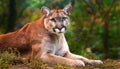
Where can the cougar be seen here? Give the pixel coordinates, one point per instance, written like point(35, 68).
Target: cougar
point(44, 39)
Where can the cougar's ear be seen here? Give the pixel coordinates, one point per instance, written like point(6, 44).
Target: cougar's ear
point(45, 11)
point(68, 9)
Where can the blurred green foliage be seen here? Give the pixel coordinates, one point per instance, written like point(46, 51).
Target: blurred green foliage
point(95, 24)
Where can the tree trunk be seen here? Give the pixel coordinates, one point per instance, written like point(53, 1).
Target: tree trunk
point(105, 39)
point(12, 16)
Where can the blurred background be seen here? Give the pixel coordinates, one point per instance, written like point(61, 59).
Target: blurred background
point(94, 29)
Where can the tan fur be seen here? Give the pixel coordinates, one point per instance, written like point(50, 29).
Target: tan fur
point(44, 39)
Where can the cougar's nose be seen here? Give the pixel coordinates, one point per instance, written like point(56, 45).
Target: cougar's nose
point(60, 27)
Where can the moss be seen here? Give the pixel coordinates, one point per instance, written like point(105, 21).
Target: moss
point(6, 60)
point(10, 61)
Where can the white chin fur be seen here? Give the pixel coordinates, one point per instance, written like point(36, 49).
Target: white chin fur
point(63, 30)
point(58, 31)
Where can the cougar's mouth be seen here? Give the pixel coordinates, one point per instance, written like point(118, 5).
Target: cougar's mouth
point(59, 30)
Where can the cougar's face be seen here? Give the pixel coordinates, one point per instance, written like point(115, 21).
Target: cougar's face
point(56, 21)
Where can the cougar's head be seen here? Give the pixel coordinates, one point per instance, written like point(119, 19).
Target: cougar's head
point(56, 20)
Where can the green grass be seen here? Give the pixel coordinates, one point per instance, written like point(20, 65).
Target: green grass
point(10, 61)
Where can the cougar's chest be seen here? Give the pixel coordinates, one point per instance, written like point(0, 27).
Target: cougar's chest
point(57, 47)
point(60, 47)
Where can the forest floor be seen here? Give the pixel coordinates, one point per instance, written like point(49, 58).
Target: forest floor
point(9, 61)
point(108, 64)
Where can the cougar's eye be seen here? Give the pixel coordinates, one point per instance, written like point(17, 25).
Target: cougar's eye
point(63, 18)
point(53, 20)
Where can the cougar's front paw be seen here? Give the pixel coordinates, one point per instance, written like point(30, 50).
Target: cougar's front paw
point(95, 62)
point(79, 63)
